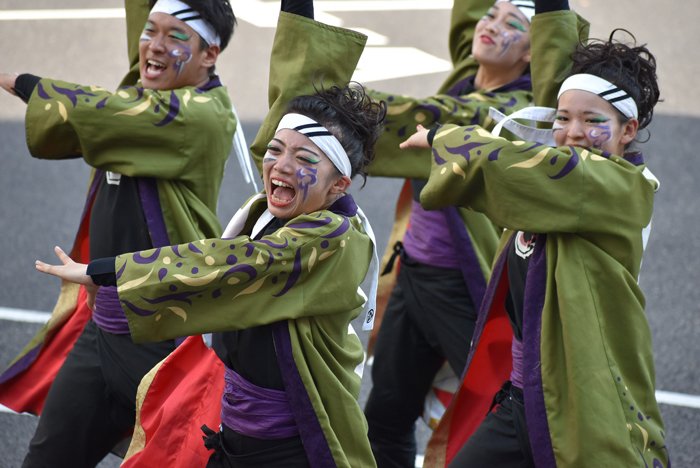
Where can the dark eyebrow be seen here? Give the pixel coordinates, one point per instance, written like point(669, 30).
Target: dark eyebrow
point(301, 148)
point(515, 16)
point(172, 28)
point(494, 6)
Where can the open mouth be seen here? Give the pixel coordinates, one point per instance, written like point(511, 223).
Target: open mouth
point(487, 39)
point(155, 68)
point(282, 193)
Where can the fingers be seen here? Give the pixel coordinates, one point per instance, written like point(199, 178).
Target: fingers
point(91, 299)
point(63, 256)
point(44, 267)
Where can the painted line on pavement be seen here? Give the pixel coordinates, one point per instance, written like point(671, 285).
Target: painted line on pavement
point(20, 315)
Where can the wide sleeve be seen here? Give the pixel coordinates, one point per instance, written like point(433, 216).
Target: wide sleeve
point(404, 113)
point(532, 187)
point(137, 12)
point(313, 266)
point(134, 132)
point(553, 37)
point(301, 48)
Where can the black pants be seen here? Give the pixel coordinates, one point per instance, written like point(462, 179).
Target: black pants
point(501, 440)
point(233, 450)
point(430, 318)
point(92, 401)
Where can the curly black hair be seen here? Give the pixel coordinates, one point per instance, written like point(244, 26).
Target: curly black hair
point(218, 13)
point(630, 67)
point(350, 115)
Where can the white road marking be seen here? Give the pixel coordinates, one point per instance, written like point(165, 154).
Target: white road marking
point(678, 399)
point(5, 409)
point(19, 315)
point(86, 13)
point(385, 63)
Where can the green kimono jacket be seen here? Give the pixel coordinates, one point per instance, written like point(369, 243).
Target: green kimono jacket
point(175, 143)
point(476, 235)
point(588, 369)
point(303, 279)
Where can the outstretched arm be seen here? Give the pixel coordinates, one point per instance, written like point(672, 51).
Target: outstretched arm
point(73, 272)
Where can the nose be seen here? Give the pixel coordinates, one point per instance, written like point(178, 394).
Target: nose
point(157, 43)
point(575, 131)
point(284, 164)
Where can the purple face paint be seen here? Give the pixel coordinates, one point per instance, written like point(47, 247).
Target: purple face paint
point(600, 135)
point(183, 54)
point(307, 178)
point(509, 38)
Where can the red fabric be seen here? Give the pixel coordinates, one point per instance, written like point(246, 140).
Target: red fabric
point(489, 367)
point(26, 392)
point(184, 395)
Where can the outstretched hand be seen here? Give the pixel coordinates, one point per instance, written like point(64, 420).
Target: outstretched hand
point(73, 272)
point(7, 82)
point(417, 140)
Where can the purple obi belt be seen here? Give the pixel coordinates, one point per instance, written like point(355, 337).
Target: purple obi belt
point(108, 313)
point(428, 240)
point(516, 376)
point(254, 411)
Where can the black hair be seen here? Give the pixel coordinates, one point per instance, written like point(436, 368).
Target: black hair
point(350, 115)
point(629, 67)
point(217, 13)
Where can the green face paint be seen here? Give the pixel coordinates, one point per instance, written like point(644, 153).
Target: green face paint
point(310, 160)
point(180, 36)
point(598, 120)
point(517, 26)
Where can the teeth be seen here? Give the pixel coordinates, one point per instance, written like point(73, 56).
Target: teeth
point(156, 64)
point(280, 183)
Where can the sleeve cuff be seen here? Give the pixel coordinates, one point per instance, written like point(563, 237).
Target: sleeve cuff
point(103, 272)
point(25, 84)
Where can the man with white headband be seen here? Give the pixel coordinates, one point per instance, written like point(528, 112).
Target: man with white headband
point(157, 148)
point(431, 300)
point(561, 372)
point(278, 290)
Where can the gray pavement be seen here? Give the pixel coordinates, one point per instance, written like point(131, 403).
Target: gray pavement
point(41, 201)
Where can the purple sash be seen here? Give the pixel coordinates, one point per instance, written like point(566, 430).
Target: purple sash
point(255, 411)
point(108, 313)
point(516, 376)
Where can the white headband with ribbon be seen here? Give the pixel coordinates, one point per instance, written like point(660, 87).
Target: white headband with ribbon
point(190, 16)
point(603, 88)
point(526, 7)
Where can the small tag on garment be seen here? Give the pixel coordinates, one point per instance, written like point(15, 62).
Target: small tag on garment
point(113, 178)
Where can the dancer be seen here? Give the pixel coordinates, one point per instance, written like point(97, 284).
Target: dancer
point(446, 255)
point(280, 289)
point(158, 150)
point(577, 355)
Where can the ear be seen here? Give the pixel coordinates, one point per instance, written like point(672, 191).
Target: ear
point(629, 131)
point(211, 53)
point(340, 185)
point(527, 57)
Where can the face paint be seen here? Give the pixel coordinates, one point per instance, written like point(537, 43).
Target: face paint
point(144, 36)
point(517, 26)
point(600, 135)
point(268, 158)
point(556, 125)
point(307, 178)
point(183, 54)
point(509, 38)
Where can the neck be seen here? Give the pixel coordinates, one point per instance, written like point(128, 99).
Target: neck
point(489, 77)
point(206, 79)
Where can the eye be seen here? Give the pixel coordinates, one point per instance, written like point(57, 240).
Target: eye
point(561, 118)
point(308, 160)
point(273, 149)
point(179, 37)
point(597, 120)
point(516, 25)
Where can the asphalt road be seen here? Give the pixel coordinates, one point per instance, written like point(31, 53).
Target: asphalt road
point(40, 201)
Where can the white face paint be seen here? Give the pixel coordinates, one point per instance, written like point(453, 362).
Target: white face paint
point(269, 158)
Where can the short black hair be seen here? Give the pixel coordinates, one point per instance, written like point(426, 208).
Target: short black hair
point(218, 13)
point(629, 67)
point(350, 115)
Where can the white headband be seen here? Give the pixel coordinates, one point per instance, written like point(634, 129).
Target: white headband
point(321, 137)
point(189, 15)
point(526, 7)
point(603, 88)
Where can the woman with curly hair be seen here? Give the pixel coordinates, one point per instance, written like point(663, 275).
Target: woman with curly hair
point(278, 291)
point(563, 319)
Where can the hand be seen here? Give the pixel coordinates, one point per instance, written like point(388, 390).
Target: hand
point(417, 140)
point(7, 82)
point(73, 272)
